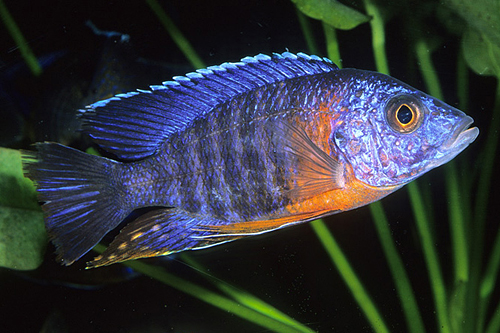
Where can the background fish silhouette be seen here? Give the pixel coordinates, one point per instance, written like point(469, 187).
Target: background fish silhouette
point(239, 149)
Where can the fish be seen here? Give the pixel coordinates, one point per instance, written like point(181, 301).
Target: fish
point(236, 150)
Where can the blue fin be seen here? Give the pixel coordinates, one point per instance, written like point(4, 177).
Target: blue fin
point(134, 125)
point(82, 199)
point(160, 232)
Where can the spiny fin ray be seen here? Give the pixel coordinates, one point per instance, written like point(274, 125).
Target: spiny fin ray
point(149, 117)
point(168, 230)
point(156, 233)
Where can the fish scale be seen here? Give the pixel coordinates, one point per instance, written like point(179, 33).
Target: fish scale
point(245, 169)
point(235, 150)
point(258, 197)
point(239, 181)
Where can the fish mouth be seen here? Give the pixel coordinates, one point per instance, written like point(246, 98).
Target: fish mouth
point(458, 141)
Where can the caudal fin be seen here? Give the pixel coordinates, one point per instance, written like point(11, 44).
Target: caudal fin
point(82, 195)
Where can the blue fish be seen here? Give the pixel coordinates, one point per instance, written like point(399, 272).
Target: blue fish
point(236, 150)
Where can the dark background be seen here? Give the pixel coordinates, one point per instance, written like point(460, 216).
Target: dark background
point(289, 268)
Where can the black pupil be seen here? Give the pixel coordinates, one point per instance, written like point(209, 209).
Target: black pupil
point(404, 114)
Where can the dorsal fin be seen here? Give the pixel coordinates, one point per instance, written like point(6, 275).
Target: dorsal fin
point(134, 125)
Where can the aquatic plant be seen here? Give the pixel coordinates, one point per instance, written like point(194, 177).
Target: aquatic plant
point(463, 299)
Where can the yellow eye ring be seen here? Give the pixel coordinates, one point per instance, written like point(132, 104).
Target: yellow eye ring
point(404, 113)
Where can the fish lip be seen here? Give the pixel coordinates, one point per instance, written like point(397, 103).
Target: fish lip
point(458, 141)
point(462, 136)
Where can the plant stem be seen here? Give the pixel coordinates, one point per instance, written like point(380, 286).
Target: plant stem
point(378, 37)
point(431, 259)
point(494, 325)
point(457, 225)
point(427, 69)
point(182, 43)
point(410, 308)
point(207, 296)
point(245, 298)
point(487, 164)
point(487, 284)
point(307, 31)
point(352, 281)
point(332, 45)
point(21, 43)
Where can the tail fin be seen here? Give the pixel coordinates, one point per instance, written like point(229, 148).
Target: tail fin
point(83, 199)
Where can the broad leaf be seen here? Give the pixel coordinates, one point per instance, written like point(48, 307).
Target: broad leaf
point(332, 12)
point(22, 232)
point(481, 40)
point(481, 54)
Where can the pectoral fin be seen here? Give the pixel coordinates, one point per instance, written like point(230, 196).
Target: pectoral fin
point(313, 171)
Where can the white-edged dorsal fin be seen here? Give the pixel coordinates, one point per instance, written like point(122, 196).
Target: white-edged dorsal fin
point(134, 125)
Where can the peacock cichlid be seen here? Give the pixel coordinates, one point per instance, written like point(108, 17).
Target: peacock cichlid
point(236, 150)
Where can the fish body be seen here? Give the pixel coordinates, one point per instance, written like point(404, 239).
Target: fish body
point(236, 150)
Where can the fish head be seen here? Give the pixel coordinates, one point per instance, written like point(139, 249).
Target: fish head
point(391, 133)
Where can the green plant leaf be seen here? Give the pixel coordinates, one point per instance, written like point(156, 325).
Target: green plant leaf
point(481, 40)
point(332, 12)
point(456, 306)
point(482, 15)
point(22, 232)
point(481, 53)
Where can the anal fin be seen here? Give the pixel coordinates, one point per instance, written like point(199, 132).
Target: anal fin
point(248, 228)
point(158, 233)
point(165, 231)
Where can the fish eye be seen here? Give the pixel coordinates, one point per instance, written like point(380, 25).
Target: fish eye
point(404, 113)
